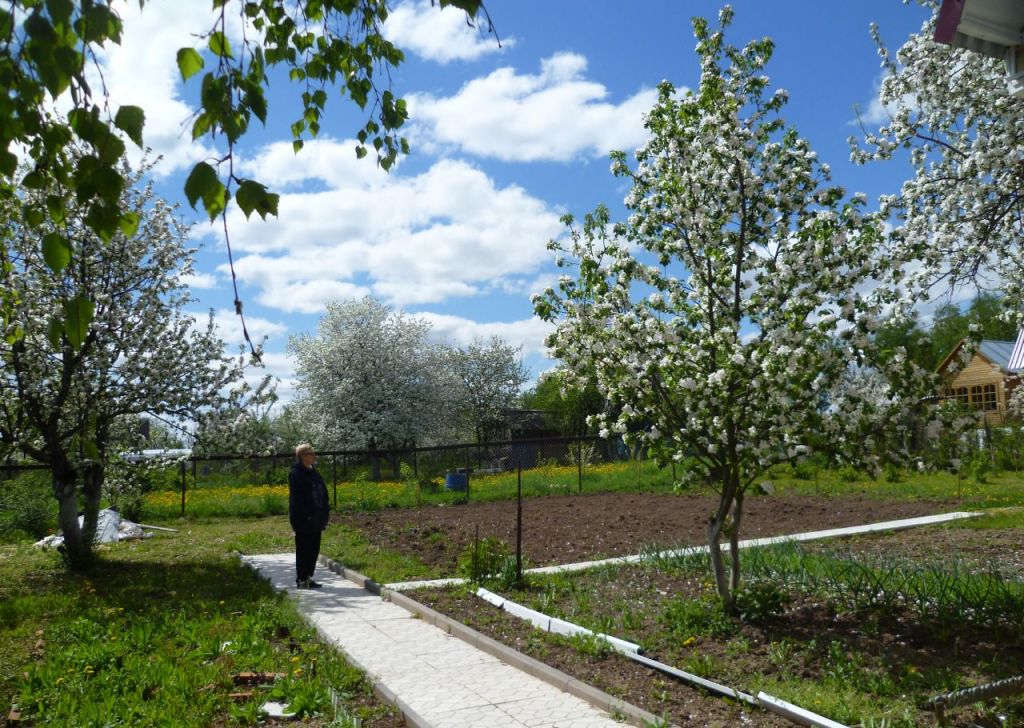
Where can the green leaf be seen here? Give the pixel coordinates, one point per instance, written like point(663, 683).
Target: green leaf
point(54, 330)
point(8, 163)
point(257, 102)
point(129, 223)
point(189, 62)
point(130, 120)
point(204, 184)
point(34, 216)
point(33, 181)
point(297, 145)
point(78, 313)
point(201, 179)
point(56, 252)
point(56, 206)
point(219, 45)
point(254, 196)
point(60, 10)
point(360, 151)
point(103, 220)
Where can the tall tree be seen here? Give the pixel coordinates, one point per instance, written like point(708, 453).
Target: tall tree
point(46, 57)
point(709, 318)
point(63, 388)
point(489, 375)
point(960, 213)
point(567, 404)
point(369, 378)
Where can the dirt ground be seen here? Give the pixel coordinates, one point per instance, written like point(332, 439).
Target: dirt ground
point(567, 529)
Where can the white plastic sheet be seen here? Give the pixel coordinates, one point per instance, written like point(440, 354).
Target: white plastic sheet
point(110, 527)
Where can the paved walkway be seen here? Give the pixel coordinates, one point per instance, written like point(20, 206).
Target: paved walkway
point(439, 680)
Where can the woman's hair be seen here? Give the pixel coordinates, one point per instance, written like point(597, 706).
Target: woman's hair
point(301, 448)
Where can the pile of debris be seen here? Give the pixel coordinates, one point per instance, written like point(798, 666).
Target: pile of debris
point(110, 527)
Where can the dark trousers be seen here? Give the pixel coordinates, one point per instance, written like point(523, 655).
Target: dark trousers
point(307, 548)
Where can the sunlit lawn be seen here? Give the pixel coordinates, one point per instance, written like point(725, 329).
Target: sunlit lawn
point(152, 634)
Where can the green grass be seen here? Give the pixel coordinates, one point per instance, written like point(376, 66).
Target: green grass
point(1000, 489)
point(152, 634)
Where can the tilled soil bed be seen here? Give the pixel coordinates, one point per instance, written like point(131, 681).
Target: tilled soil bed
point(808, 641)
point(567, 529)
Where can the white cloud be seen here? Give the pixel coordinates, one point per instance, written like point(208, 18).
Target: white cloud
point(554, 115)
point(454, 330)
point(143, 71)
point(440, 35)
point(325, 160)
point(229, 326)
point(199, 280)
point(447, 232)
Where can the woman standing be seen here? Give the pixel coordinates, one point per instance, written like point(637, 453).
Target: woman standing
point(308, 512)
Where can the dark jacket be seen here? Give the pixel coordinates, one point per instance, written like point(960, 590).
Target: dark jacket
point(308, 507)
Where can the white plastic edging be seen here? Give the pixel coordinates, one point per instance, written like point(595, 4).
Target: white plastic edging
point(553, 624)
point(490, 597)
point(424, 584)
point(795, 713)
point(768, 541)
point(709, 685)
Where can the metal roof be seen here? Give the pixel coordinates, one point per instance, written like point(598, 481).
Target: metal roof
point(997, 352)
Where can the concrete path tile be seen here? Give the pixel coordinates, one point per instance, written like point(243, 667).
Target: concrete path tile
point(445, 681)
point(476, 717)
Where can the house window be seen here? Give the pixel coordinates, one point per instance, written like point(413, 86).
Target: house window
point(989, 398)
point(977, 397)
point(960, 395)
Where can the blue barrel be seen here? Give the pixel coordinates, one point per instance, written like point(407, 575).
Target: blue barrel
point(456, 481)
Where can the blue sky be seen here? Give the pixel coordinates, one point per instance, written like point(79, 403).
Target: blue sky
point(505, 140)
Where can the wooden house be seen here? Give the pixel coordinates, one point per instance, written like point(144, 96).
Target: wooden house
point(986, 381)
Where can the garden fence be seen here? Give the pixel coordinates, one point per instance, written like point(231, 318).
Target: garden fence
point(427, 466)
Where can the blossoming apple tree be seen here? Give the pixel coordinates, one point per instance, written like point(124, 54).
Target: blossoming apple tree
point(960, 214)
point(722, 319)
point(66, 381)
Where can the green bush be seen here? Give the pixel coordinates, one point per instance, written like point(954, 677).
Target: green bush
point(27, 507)
point(892, 473)
point(761, 601)
point(979, 467)
point(848, 474)
point(804, 470)
point(485, 558)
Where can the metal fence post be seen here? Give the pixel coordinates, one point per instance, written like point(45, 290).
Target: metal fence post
point(182, 468)
point(334, 475)
point(519, 525)
point(579, 465)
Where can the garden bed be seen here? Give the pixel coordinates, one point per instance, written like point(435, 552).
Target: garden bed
point(855, 659)
point(566, 529)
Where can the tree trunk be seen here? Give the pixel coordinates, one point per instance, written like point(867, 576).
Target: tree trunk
point(734, 541)
point(725, 521)
point(77, 549)
point(716, 527)
point(718, 564)
point(92, 490)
